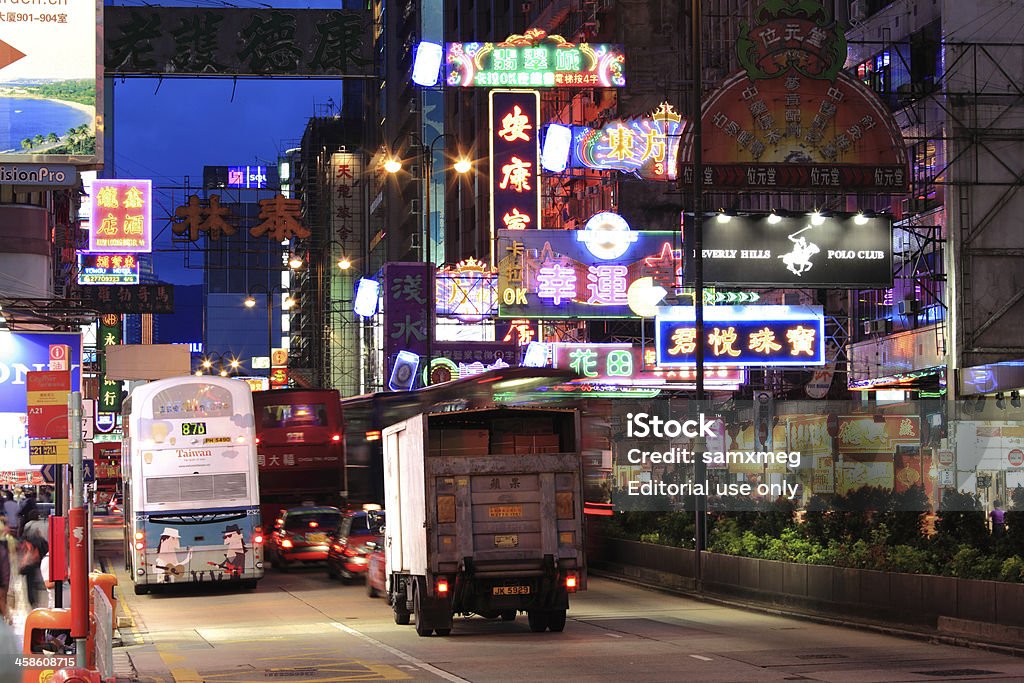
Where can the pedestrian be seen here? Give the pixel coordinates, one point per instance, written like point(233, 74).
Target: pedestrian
point(10, 511)
point(27, 507)
point(31, 550)
point(8, 553)
point(998, 517)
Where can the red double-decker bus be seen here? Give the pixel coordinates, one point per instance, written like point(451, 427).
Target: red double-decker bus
point(300, 449)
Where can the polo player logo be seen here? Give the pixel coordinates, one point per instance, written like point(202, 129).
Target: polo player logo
point(798, 261)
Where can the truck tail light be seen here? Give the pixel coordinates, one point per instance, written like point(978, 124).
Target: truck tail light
point(286, 543)
point(336, 438)
point(570, 583)
point(442, 586)
point(257, 536)
point(140, 540)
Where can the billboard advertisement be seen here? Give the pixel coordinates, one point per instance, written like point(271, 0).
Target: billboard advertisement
point(768, 250)
point(534, 60)
point(743, 336)
point(107, 269)
point(24, 352)
point(408, 318)
point(581, 273)
point(645, 146)
point(50, 97)
point(121, 218)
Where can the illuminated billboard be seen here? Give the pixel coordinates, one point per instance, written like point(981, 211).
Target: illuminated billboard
point(249, 177)
point(515, 160)
point(121, 219)
point(534, 60)
point(107, 269)
point(467, 292)
point(646, 146)
point(743, 336)
point(50, 83)
point(581, 273)
point(622, 363)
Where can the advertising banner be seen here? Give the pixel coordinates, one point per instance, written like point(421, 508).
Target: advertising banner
point(130, 298)
point(408, 318)
point(110, 333)
point(766, 250)
point(209, 41)
point(534, 60)
point(24, 352)
point(646, 146)
point(107, 269)
point(743, 336)
point(47, 394)
point(51, 100)
point(581, 273)
point(515, 160)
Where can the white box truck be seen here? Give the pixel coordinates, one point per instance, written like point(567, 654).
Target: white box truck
point(485, 516)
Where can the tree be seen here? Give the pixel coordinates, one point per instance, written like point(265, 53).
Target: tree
point(52, 137)
point(26, 143)
point(37, 140)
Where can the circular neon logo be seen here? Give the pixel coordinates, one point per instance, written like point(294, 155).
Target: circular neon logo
point(607, 235)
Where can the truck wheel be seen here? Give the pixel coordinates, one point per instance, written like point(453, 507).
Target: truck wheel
point(508, 615)
point(421, 630)
point(538, 620)
point(442, 631)
point(401, 613)
point(556, 620)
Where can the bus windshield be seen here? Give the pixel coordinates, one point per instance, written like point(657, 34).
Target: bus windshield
point(294, 415)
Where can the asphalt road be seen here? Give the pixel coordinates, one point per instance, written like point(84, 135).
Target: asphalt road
point(301, 626)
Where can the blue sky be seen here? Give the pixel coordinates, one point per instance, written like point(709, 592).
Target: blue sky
point(168, 130)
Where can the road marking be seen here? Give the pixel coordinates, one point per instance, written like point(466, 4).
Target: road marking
point(703, 659)
point(401, 655)
point(186, 676)
point(614, 635)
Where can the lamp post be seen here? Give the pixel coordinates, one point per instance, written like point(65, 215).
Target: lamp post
point(222, 361)
point(250, 302)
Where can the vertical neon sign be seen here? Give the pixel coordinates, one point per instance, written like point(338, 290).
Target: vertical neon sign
point(515, 160)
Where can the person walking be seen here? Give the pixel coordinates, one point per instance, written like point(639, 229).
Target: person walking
point(10, 511)
point(32, 548)
point(8, 555)
point(28, 506)
point(998, 517)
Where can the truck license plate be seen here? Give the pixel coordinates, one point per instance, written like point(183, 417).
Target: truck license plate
point(510, 590)
point(506, 541)
point(505, 511)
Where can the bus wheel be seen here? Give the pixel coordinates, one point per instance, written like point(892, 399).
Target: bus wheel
point(249, 584)
point(141, 589)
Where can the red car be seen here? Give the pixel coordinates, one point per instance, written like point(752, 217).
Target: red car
point(358, 534)
point(300, 535)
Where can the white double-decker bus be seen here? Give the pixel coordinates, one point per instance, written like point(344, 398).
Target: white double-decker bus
point(191, 484)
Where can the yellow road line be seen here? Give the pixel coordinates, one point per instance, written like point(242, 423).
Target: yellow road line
point(186, 676)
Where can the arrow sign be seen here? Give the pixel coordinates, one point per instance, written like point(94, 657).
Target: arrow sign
point(9, 55)
point(49, 473)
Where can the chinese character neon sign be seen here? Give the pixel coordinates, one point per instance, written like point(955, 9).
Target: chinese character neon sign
point(534, 60)
point(647, 146)
point(468, 292)
point(515, 160)
point(625, 364)
point(743, 336)
point(121, 216)
point(108, 269)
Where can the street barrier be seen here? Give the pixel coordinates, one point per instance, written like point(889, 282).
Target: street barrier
point(106, 583)
point(103, 620)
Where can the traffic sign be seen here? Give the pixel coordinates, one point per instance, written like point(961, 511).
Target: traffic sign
point(105, 422)
point(47, 393)
point(49, 473)
point(48, 451)
point(89, 471)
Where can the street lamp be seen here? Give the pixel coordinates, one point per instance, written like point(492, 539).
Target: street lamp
point(222, 361)
point(286, 303)
point(462, 165)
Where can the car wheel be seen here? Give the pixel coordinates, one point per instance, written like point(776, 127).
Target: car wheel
point(508, 615)
point(538, 620)
point(556, 620)
point(442, 631)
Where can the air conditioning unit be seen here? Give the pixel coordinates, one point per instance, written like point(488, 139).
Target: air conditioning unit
point(859, 10)
point(908, 307)
point(882, 326)
point(414, 207)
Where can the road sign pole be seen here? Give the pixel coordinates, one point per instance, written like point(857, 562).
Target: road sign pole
point(79, 534)
point(58, 509)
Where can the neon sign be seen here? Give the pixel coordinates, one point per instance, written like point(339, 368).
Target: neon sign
point(515, 160)
point(121, 216)
point(629, 365)
point(468, 292)
point(107, 269)
point(743, 336)
point(647, 147)
point(251, 177)
point(580, 274)
point(534, 60)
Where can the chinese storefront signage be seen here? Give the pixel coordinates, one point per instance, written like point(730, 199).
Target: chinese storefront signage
point(534, 60)
point(108, 269)
point(743, 336)
point(792, 119)
point(455, 360)
point(647, 147)
point(195, 217)
point(580, 273)
point(130, 298)
point(774, 251)
point(629, 365)
point(215, 40)
point(467, 292)
point(515, 160)
point(878, 433)
point(121, 216)
point(110, 333)
point(47, 394)
point(407, 310)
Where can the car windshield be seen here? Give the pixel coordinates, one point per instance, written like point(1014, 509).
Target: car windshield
point(367, 525)
point(304, 521)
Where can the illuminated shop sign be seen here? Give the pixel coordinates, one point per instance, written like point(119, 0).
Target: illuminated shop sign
point(796, 251)
point(250, 177)
point(626, 364)
point(534, 60)
point(647, 147)
point(515, 160)
point(108, 269)
point(743, 335)
point(468, 292)
point(121, 216)
point(581, 273)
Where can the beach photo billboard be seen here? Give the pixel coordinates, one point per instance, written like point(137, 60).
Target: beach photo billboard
point(51, 97)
